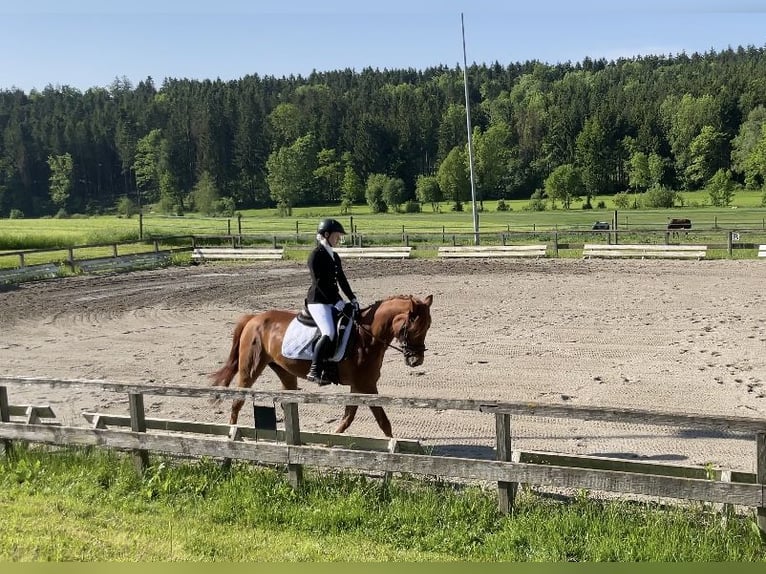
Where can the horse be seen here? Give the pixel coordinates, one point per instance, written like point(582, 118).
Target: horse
point(675, 226)
point(257, 343)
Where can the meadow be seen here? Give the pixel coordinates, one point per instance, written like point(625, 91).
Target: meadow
point(427, 227)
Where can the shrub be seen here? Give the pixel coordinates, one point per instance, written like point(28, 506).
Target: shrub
point(125, 207)
point(721, 188)
point(536, 202)
point(659, 196)
point(16, 214)
point(225, 206)
point(412, 207)
point(502, 206)
point(621, 200)
point(61, 214)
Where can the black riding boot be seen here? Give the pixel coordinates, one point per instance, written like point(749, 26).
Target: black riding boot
point(322, 352)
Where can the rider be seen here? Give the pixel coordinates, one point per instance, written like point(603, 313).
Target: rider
point(326, 275)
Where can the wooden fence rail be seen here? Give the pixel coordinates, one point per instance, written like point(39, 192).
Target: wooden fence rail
point(507, 471)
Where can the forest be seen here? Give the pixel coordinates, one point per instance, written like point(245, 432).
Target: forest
point(392, 139)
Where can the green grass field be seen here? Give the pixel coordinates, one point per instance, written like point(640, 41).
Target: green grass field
point(427, 227)
point(89, 505)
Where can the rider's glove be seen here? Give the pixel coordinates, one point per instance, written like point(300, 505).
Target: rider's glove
point(340, 305)
point(355, 303)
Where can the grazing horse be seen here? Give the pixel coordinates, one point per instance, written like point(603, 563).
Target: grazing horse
point(677, 225)
point(257, 343)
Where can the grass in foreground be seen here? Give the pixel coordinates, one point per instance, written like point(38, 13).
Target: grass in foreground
point(91, 506)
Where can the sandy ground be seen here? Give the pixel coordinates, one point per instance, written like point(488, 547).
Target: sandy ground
point(669, 335)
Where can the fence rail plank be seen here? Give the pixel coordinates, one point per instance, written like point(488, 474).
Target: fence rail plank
point(374, 252)
point(645, 250)
point(520, 408)
point(496, 471)
point(493, 251)
point(204, 253)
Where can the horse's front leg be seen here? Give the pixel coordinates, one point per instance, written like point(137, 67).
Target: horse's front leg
point(382, 420)
point(348, 418)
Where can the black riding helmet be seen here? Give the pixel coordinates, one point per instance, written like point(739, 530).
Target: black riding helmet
point(330, 226)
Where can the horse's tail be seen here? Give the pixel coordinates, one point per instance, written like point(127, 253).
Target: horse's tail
point(223, 376)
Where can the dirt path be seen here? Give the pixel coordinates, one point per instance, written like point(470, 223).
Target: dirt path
point(674, 335)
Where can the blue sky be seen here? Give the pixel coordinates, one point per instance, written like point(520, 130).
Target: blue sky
point(88, 43)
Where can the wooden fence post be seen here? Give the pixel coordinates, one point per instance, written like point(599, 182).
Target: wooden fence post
point(235, 434)
point(138, 424)
point(506, 491)
point(5, 417)
point(760, 478)
point(555, 243)
point(293, 436)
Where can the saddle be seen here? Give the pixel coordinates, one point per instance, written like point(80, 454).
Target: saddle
point(302, 334)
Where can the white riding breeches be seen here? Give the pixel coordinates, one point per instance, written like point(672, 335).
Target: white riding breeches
point(323, 317)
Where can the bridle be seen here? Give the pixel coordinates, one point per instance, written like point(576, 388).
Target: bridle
point(407, 349)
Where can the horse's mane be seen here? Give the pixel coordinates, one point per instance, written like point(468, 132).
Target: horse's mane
point(379, 302)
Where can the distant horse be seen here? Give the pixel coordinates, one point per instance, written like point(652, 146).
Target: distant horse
point(257, 343)
point(677, 225)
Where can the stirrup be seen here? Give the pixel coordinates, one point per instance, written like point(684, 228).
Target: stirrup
point(323, 380)
point(329, 374)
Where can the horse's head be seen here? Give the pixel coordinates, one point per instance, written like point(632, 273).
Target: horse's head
point(410, 328)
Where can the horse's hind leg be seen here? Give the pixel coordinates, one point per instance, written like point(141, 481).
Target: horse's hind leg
point(251, 366)
point(289, 381)
point(348, 418)
point(380, 417)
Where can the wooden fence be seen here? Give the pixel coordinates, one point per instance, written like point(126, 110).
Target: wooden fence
point(15, 265)
point(508, 470)
point(92, 258)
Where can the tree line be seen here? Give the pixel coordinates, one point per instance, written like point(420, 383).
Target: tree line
point(394, 139)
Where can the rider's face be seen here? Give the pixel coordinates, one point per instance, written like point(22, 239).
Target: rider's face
point(334, 238)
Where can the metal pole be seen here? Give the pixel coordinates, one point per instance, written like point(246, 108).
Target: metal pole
point(470, 139)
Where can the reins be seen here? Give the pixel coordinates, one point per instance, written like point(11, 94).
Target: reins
point(408, 350)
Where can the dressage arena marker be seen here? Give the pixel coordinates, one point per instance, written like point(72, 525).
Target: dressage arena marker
point(645, 250)
point(762, 251)
point(493, 251)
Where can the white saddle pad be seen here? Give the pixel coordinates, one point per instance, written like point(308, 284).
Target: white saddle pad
point(299, 339)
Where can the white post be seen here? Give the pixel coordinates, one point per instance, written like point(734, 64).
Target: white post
point(470, 140)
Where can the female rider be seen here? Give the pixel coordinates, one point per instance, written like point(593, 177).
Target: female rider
point(324, 295)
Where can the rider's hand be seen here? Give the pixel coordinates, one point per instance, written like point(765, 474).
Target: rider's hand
point(340, 305)
point(355, 303)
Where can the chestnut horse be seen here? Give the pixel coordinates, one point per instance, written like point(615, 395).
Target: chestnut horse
point(257, 343)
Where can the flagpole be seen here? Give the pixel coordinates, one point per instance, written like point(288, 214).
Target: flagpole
point(470, 140)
